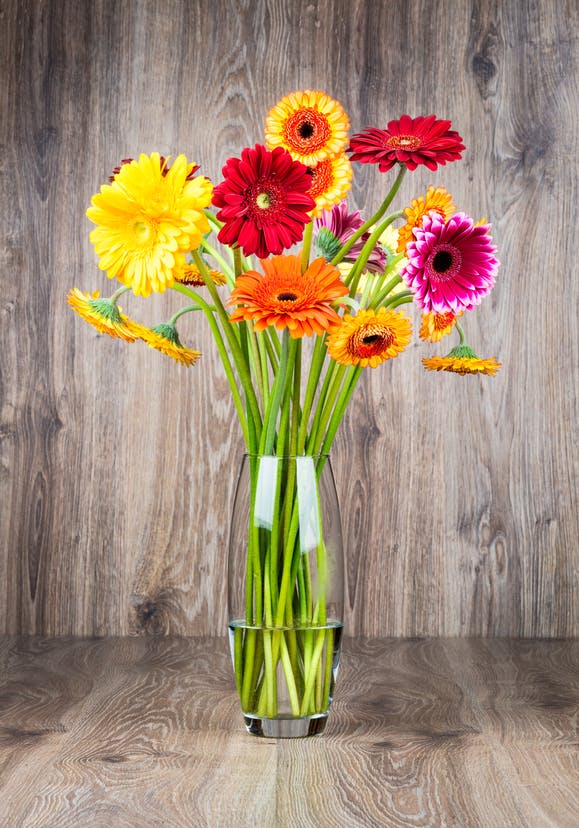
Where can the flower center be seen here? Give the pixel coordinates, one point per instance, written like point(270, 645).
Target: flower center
point(404, 142)
point(286, 297)
point(142, 231)
point(443, 263)
point(370, 340)
point(306, 131)
point(263, 201)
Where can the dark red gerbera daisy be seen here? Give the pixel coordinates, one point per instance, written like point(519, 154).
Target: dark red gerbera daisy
point(263, 201)
point(409, 141)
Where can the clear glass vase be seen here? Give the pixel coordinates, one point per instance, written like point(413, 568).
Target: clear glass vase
point(285, 593)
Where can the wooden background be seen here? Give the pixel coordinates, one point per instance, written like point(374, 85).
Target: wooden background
point(117, 466)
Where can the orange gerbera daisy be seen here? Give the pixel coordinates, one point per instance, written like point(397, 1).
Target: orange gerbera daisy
point(462, 360)
point(436, 325)
point(102, 314)
point(310, 125)
point(188, 273)
point(165, 338)
point(287, 298)
point(331, 180)
point(437, 199)
point(370, 337)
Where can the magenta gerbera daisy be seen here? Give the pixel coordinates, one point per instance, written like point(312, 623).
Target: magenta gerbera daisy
point(264, 201)
point(333, 229)
point(451, 265)
point(409, 141)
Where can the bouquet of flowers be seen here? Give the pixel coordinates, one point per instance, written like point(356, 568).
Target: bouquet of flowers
point(294, 329)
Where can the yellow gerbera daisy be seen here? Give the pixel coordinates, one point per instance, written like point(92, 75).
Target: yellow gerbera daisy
point(331, 180)
point(462, 360)
point(309, 124)
point(369, 337)
point(165, 338)
point(147, 219)
point(187, 273)
point(437, 199)
point(102, 314)
point(436, 325)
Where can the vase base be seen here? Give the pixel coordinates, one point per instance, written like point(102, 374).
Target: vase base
point(286, 728)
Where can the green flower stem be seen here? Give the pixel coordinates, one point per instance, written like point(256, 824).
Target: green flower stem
point(118, 293)
point(221, 261)
point(347, 390)
point(289, 672)
point(321, 401)
point(460, 332)
point(268, 431)
point(402, 298)
point(213, 219)
point(256, 366)
point(316, 365)
point(272, 355)
point(373, 219)
point(311, 673)
point(209, 313)
point(324, 415)
point(187, 309)
point(232, 341)
point(307, 244)
point(385, 290)
point(358, 269)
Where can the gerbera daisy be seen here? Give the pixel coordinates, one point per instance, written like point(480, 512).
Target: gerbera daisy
point(331, 180)
point(370, 337)
point(165, 338)
point(436, 325)
point(409, 141)
point(437, 199)
point(187, 273)
point(147, 219)
point(451, 265)
point(310, 125)
point(102, 314)
point(462, 360)
point(287, 298)
point(264, 201)
point(332, 230)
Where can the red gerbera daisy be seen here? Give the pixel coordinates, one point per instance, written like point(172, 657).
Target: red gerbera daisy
point(264, 201)
point(409, 141)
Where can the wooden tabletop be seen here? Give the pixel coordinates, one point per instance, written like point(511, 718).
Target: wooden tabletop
point(147, 731)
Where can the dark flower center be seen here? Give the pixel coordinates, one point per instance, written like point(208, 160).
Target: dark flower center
point(286, 297)
point(368, 340)
point(371, 340)
point(306, 130)
point(442, 261)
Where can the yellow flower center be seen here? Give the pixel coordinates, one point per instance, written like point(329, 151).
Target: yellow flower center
point(263, 201)
point(142, 231)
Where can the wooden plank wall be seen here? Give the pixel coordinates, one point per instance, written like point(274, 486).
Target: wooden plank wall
point(117, 466)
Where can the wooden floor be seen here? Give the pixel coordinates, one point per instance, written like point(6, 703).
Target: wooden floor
point(147, 732)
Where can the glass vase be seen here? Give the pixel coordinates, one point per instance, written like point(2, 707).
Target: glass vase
point(285, 593)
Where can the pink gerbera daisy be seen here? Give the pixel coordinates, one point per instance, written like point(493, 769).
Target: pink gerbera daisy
point(451, 265)
point(333, 229)
point(264, 201)
point(409, 141)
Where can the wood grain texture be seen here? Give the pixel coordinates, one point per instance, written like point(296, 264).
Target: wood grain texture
point(117, 466)
point(137, 731)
